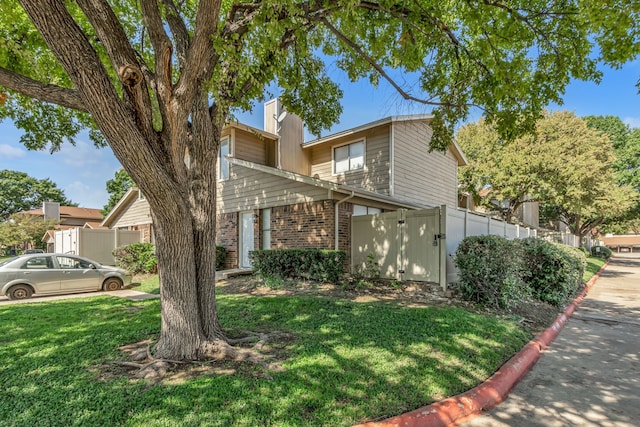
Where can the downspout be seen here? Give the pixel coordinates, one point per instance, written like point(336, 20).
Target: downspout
point(335, 221)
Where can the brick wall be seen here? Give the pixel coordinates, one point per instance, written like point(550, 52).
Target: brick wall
point(299, 226)
point(227, 236)
point(303, 225)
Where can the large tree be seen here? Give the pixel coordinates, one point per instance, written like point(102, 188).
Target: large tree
point(21, 192)
point(563, 164)
point(159, 79)
point(626, 142)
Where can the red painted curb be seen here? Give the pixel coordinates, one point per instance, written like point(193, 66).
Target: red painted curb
point(467, 405)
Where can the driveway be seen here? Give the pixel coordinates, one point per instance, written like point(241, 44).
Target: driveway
point(590, 375)
point(122, 293)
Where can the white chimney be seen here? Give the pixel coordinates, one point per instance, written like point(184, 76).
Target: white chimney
point(51, 210)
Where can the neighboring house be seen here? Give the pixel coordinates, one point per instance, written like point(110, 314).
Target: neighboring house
point(132, 212)
point(275, 191)
point(67, 217)
point(622, 243)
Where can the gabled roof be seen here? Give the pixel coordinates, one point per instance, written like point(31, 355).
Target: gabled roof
point(129, 196)
point(454, 147)
point(250, 129)
point(72, 212)
point(94, 225)
point(339, 188)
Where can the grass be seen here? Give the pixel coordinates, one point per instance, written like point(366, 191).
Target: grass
point(148, 283)
point(593, 266)
point(350, 362)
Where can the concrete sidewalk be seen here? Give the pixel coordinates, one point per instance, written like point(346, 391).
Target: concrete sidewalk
point(590, 375)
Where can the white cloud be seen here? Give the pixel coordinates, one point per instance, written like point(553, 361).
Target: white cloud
point(10, 152)
point(83, 154)
point(634, 122)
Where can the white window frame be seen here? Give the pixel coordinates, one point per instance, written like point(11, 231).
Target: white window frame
point(266, 228)
point(368, 210)
point(226, 140)
point(347, 144)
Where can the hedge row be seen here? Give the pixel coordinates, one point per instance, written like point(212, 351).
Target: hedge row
point(312, 264)
point(498, 272)
point(141, 257)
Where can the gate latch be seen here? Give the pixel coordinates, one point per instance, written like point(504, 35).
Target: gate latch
point(438, 236)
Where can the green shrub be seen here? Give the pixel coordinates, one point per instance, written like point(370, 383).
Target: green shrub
point(601, 252)
point(136, 258)
point(313, 264)
point(221, 257)
point(552, 271)
point(490, 271)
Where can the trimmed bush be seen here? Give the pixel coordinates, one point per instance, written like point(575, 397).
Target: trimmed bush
point(313, 264)
point(490, 271)
point(552, 271)
point(141, 258)
point(136, 258)
point(221, 257)
point(601, 252)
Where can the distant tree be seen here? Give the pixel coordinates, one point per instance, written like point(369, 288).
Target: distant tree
point(626, 142)
point(563, 164)
point(21, 192)
point(117, 187)
point(24, 229)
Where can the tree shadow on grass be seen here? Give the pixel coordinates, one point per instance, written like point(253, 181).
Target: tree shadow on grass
point(338, 370)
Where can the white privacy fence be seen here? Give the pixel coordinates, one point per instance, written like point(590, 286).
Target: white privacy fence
point(461, 223)
point(97, 245)
point(566, 239)
point(408, 245)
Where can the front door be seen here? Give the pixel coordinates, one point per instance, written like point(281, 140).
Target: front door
point(246, 238)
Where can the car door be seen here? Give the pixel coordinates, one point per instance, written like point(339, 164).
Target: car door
point(40, 272)
point(77, 274)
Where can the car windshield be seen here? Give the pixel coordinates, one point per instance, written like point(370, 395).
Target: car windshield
point(7, 261)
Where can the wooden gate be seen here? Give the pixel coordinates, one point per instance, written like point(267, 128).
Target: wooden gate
point(407, 245)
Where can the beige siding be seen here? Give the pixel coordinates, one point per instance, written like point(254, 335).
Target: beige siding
point(374, 176)
point(418, 175)
point(291, 131)
point(250, 147)
point(251, 189)
point(137, 214)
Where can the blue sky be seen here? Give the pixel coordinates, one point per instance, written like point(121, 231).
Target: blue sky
point(82, 171)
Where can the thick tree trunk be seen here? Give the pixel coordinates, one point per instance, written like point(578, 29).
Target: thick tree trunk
point(181, 335)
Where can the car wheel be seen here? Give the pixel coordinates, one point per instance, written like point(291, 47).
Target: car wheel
point(112, 284)
point(19, 292)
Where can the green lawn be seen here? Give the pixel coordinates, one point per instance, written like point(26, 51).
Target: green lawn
point(349, 362)
point(593, 266)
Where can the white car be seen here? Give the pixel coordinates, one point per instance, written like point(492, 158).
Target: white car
point(25, 275)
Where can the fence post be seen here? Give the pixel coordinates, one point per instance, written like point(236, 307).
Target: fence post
point(443, 248)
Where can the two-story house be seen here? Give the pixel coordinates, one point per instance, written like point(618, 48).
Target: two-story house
point(276, 191)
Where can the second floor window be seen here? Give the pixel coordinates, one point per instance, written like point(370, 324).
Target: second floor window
point(223, 159)
point(349, 157)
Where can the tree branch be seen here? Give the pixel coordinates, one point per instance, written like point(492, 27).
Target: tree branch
point(200, 57)
point(163, 48)
point(51, 94)
point(122, 54)
point(378, 68)
point(179, 30)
